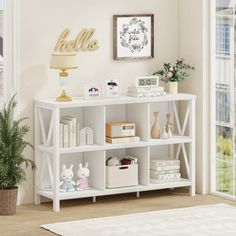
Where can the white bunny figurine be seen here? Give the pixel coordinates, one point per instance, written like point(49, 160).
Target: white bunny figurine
point(67, 184)
point(83, 174)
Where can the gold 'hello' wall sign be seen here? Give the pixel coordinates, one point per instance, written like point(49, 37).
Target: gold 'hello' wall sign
point(83, 42)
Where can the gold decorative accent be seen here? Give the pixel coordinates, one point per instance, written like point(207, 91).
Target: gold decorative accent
point(83, 42)
point(63, 97)
point(63, 73)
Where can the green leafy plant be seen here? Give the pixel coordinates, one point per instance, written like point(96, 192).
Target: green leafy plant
point(12, 146)
point(174, 73)
point(225, 145)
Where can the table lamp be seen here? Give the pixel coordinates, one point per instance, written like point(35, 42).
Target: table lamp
point(63, 62)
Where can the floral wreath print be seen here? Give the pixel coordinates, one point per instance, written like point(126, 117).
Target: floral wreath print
point(134, 35)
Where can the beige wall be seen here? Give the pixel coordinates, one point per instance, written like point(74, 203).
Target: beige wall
point(42, 22)
point(194, 47)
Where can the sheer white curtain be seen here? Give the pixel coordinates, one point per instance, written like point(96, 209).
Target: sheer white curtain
point(1, 53)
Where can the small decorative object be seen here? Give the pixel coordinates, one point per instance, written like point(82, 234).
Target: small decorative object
point(169, 132)
point(146, 87)
point(174, 74)
point(120, 129)
point(92, 92)
point(172, 128)
point(167, 121)
point(133, 139)
point(147, 81)
point(83, 173)
point(67, 184)
point(164, 134)
point(113, 161)
point(155, 132)
point(133, 36)
point(83, 42)
point(112, 88)
point(12, 157)
point(63, 62)
point(86, 136)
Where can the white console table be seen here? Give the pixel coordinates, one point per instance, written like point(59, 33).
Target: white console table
point(49, 156)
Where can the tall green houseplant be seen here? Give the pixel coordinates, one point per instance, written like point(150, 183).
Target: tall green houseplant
point(12, 160)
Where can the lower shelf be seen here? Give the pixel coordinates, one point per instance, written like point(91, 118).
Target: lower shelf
point(93, 192)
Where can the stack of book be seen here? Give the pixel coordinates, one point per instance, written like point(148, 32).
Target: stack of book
point(164, 170)
point(145, 92)
point(69, 132)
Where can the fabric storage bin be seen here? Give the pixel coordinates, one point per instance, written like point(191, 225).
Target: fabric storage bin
point(121, 176)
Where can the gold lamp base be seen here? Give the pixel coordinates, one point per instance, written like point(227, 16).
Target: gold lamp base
point(63, 97)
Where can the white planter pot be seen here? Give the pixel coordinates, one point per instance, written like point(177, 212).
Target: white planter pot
point(173, 87)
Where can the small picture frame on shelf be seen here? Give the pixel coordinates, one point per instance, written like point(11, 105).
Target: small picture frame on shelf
point(93, 92)
point(112, 88)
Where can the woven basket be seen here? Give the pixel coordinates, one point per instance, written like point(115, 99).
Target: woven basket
point(8, 199)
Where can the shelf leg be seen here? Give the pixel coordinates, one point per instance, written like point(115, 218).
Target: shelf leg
point(94, 199)
point(37, 200)
point(56, 161)
point(138, 194)
point(56, 205)
point(192, 148)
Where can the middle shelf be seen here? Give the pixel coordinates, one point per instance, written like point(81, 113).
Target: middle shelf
point(107, 146)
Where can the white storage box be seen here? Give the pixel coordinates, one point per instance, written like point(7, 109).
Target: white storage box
point(121, 176)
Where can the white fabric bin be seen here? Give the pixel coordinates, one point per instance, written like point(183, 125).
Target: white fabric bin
point(121, 176)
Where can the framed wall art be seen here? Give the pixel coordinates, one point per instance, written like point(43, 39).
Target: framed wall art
point(133, 36)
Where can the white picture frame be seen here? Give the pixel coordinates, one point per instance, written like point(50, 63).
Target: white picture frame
point(112, 88)
point(93, 92)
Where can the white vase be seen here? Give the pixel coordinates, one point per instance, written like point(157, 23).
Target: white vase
point(173, 87)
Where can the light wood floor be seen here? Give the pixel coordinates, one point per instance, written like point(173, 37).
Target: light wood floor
point(28, 218)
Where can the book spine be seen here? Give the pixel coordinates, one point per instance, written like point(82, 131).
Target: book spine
point(163, 172)
point(61, 135)
point(166, 176)
point(66, 135)
point(122, 140)
point(164, 168)
point(70, 133)
point(78, 134)
point(151, 89)
point(164, 162)
point(73, 132)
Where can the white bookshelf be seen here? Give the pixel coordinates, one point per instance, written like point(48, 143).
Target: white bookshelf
point(49, 156)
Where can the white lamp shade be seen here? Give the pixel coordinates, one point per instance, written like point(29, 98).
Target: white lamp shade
point(63, 61)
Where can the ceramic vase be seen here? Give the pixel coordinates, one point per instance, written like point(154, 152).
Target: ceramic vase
point(167, 121)
point(173, 87)
point(155, 132)
point(169, 133)
point(164, 134)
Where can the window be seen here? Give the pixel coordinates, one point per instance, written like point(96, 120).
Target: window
point(224, 78)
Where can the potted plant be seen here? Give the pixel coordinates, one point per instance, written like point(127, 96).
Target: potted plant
point(12, 159)
point(174, 74)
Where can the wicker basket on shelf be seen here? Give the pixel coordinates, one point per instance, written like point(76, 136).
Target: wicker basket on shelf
point(8, 199)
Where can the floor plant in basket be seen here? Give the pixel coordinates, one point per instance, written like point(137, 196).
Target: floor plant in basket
point(12, 159)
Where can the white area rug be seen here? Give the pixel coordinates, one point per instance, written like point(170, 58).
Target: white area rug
point(207, 220)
